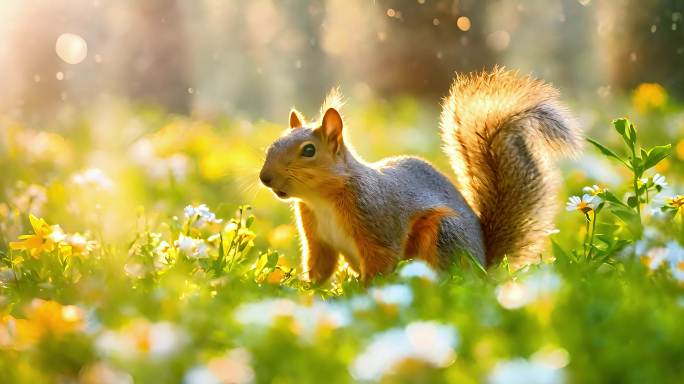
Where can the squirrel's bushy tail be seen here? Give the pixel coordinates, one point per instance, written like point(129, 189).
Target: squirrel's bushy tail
point(501, 132)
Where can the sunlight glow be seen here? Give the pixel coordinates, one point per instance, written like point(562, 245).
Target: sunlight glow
point(71, 48)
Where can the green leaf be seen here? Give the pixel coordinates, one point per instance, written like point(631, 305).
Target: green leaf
point(562, 257)
point(632, 201)
point(272, 260)
point(242, 246)
point(610, 197)
point(632, 134)
point(605, 238)
point(608, 152)
point(621, 125)
point(626, 129)
point(220, 261)
point(629, 217)
point(643, 188)
point(262, 260)
point(478, 266)
point(655, 155)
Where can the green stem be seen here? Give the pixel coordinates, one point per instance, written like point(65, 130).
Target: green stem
point(636, 196)
point(586, 234)
point(233, 244)
point(635, 182)
point(14, 271)
point(191, 221)
point(591, 239)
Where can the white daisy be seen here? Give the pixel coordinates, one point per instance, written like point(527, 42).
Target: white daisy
point(307, 319)
point(159, 340)
point(200, 215)
point(57, 235)
point(418, 269)
point(675, 203)
point(678, 271)
point(191, 247)
point(392, 294)
point(593, 190)
point(585, 204)
point(235, 367)
point(517, 294)
point(93, 177)
point(675, 257)
point(523, 371)
point(659, 180)
point(427, 341)
point(162, 258)
point(654, 257)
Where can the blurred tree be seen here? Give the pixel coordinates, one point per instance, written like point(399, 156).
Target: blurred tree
point(553, 39)
point(153, 63)
point(645, 41)
point(408, 47)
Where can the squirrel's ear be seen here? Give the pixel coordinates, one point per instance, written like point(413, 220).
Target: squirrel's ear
point(332, 128)
point(296, 119)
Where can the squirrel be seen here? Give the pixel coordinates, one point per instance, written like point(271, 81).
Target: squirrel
point(500, 131)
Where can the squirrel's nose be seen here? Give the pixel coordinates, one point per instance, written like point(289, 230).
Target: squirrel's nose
point(265, 178)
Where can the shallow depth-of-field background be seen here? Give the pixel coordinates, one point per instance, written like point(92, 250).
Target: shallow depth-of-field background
point(136, 244)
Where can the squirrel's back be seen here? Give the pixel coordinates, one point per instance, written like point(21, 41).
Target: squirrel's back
point(500, 131)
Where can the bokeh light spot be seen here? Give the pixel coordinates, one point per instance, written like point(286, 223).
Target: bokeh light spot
point(71, 48)
point(463, 23)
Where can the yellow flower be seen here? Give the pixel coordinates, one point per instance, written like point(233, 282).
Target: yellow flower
point(54, 318)
point(675, 202)
point(4, 211)
point(45, 238)
point(648, 97)
point(680, 150)
point(43, 317)
point(18, 334)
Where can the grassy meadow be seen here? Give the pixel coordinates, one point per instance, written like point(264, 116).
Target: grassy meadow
point(137, 246)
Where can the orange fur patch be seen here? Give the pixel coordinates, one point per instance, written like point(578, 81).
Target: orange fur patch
point(375, 257)
point(421, 241)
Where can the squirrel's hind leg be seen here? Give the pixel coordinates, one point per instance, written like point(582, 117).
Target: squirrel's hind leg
point(458, 235)
point(424, 233)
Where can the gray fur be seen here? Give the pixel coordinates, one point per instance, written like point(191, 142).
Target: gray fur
point(392, 191)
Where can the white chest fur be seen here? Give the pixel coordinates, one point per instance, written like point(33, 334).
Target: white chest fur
point(330, 230)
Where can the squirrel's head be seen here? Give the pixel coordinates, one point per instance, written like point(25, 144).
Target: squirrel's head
point(308, 160)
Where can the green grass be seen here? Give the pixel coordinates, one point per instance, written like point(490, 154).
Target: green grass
point(151, 293)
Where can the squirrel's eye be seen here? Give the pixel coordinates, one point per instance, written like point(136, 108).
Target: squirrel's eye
point(308, 150)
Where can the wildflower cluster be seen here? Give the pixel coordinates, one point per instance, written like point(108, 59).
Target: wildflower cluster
point(189, 293)
point(49, 244)
point(648, 214)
